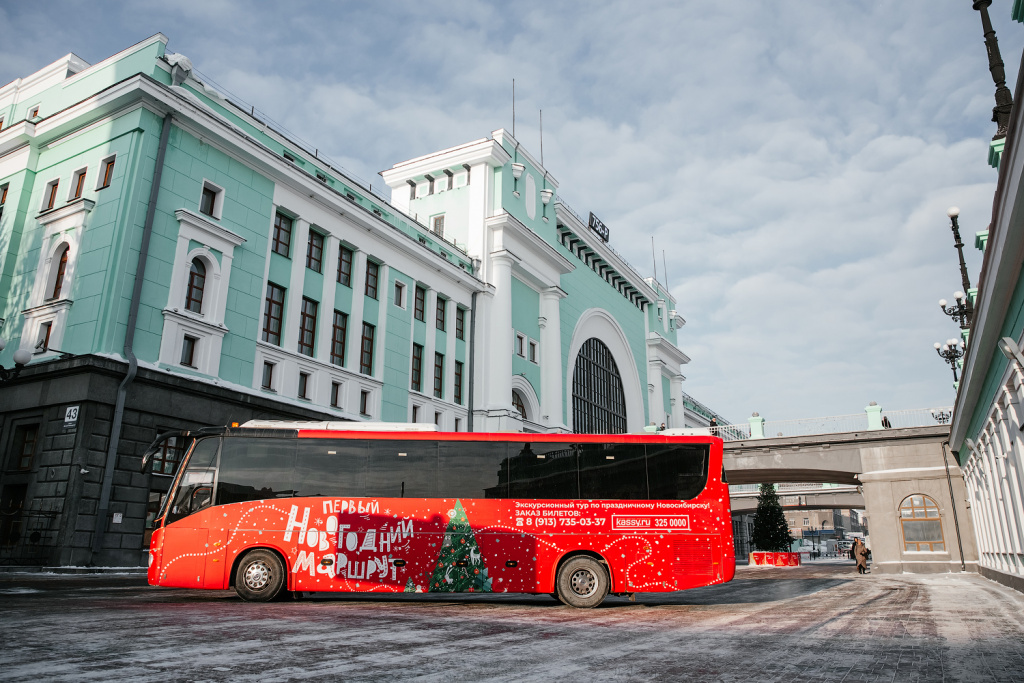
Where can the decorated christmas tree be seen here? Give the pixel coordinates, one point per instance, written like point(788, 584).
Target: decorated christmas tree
point(771, 532)
point(410, 587)
point(460, 566)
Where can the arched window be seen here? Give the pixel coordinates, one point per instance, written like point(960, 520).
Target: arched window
point(62, 266)
point(922, 524)
point(196, 284)
point(517, 401)
point(598, 403)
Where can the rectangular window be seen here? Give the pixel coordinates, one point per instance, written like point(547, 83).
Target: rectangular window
point(303, 385)
point(24, 446)
point(50, 195)
point(106, 173)
point(307, 326)
point(364, 403)
point(44, 337)
point(188, 351)
point(268, 376)
point(165, 461)
point(272, 314)
point(33, 112)
point(372, 271)
point(77, 184)
point(420, 305)
point(338, 336)
point(282, 235)
point(458, 425)
point(345, 266)
point(438, 375)
point(458, 383)
point(442, 309)
point(520, 345)
point(438, 225)
point(417, 367)
point(399, 294)
point(3, 199)
point(415, 413)
point(460, 322)
point(314, 251)
point(533, 351)
point(366, 349)
point(208, 200)
point(437, 419)
point(335, 394)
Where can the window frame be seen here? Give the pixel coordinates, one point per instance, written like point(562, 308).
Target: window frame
point(77, 184)
point(50, 195)
point(188, 348)
point(416, 374)
point(308, 313)
point(460, 322)
point(457, 386)
point(314, 251)
point(18, 456)
point(419, 309)
point(437, 225)
point(927, 505)
point(366, 349)
point(217, 205)
point(441, 313)
point(364, 403)
point(106, 174)
point(339, 335)
point(281, 241)
point(193, 285)
point(372, 279)
point(302, 391)
point(345, 259)
point(438, 375)
point(399, 299)
point(267, 380)
point(268, 313)
point(62, 269)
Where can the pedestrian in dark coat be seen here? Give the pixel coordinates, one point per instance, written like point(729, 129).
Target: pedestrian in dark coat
point(861, 553)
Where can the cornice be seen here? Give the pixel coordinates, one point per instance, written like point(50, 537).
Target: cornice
point(480, 151)
point(197, 221)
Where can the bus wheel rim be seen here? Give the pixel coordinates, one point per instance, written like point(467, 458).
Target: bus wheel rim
point(257, 575)
point(583, 583)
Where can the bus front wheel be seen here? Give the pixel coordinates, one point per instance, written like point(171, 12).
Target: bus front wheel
point(582, 582)
point(260, 576)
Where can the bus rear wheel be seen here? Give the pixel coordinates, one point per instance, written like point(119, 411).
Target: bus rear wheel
point(260, 576)
point(582, 582)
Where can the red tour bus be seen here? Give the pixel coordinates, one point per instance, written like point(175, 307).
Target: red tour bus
point(270, 507)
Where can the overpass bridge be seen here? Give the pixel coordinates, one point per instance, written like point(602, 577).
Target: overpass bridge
point(803, 498)
point(890, 466)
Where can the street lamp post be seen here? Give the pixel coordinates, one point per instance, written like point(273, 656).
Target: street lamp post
point(951, 352)
point(1004, 100)
point(941, 416)
point(964, 311)
point(21, 359)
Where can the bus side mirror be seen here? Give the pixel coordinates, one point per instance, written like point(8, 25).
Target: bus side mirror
point(201, 498)
point(157, 444)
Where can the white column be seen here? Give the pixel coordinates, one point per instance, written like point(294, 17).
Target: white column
point(383, 294)
point(499, 363)
point(678, 411)
point(655, 391)
point(551, 371)
point(325, 324)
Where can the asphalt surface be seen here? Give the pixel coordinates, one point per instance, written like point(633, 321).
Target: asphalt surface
point(820, 622)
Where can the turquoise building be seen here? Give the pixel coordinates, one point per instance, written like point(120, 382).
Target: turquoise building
point(170, 259)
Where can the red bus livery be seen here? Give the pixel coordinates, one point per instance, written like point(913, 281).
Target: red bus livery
point(274, 507)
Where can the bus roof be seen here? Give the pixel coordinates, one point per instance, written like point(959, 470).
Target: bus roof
point(340, 426)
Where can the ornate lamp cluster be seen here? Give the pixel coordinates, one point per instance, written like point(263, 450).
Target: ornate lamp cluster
point(951, 351)
point(963, 312)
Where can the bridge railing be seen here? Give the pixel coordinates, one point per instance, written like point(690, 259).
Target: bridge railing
point(835, 424)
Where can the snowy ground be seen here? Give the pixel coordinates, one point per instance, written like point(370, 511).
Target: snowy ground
point(813, 623)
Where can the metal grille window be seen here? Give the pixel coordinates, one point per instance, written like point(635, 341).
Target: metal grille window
point(366, 350)
point(272, 313)
point(372, 272)
point(438, 375)
point(922, 524)
point(345, 266)
point(420, 304)
point(417, 367)
point(196, 285)
point(338, 335)
point(598, 402)
point(314, 251)
point(282, 235)
point(442, 309)
point(24, 446)
point(307, 326)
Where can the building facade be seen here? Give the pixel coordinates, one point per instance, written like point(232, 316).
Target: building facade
point(171, 260)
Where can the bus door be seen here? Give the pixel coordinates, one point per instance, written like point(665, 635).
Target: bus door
point(185, 537)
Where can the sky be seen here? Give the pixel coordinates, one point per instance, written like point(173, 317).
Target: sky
point(793, 160)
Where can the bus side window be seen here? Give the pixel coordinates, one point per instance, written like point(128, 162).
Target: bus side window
point(615, 471)
point(198, 475)
point(677, 471)
point(256, 468)
point(472, 469)
point(401, 469)
point(330, 467)
point(543, 470)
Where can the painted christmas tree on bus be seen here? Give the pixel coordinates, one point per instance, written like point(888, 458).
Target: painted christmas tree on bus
point(460, 567)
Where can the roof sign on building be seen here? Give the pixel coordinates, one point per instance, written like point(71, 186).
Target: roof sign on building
point(597, 226)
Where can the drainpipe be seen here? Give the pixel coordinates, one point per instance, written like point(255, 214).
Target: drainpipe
point(952, 500)
point(472, 357)
point(129, 339)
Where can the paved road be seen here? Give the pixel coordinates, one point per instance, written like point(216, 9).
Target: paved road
point(814, 623)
